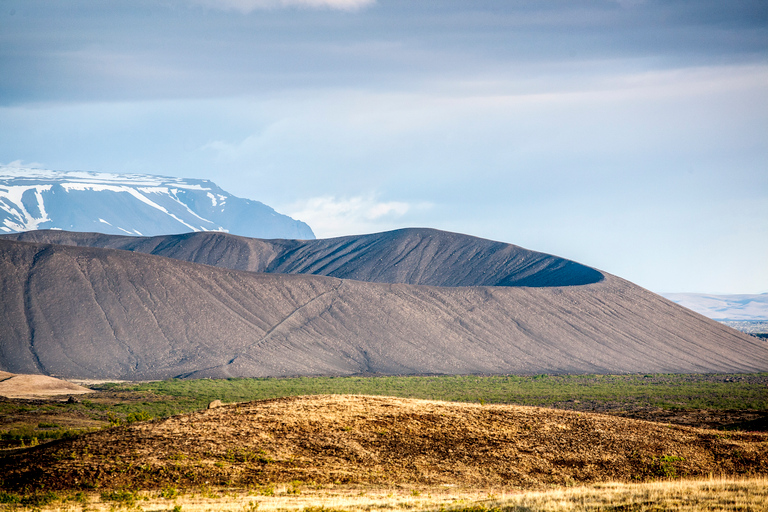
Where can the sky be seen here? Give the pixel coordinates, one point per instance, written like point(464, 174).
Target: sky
point(628, 135)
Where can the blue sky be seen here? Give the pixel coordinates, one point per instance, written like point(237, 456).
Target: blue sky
point(628, 135)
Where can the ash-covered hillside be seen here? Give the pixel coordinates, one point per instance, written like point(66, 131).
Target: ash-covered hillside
point(412, 256)
point(94, 312)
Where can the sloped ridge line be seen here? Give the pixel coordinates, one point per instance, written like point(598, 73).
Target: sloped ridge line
point(418, 256)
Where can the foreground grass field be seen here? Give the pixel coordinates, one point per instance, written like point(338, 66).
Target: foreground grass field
point(738, 401)
point(726, 402)
point(744, 495)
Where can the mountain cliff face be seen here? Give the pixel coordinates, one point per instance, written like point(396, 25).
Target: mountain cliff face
point(132, 204)
point(95, 312)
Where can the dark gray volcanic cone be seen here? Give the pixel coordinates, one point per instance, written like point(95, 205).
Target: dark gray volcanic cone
point(413, 256)
point(102, 313)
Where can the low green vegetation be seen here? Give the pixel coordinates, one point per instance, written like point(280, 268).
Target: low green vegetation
point(27, 423)
point(34, 500)
point(33, 436)
point(717, 392)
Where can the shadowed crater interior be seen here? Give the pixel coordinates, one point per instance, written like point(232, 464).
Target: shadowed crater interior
point(411, 256)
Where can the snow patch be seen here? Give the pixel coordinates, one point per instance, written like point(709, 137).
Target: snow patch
point(182, 203)
point(41, 203)
point(24, 219)
point(135, 192)
point(21, 173)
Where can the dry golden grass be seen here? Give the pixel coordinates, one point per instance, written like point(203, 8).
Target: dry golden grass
point(382, 441)
point(720, 494)
point(679, 495)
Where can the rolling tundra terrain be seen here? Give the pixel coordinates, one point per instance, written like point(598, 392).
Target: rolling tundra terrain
point(93, 312)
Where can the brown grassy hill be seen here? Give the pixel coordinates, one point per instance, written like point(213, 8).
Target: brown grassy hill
point(101, 313)
point(380, 440)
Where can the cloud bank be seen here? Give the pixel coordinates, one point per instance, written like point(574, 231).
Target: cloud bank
point(331, 217)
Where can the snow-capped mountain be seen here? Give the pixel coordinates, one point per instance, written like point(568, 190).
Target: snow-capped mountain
point(740, 307)
point(132, 204)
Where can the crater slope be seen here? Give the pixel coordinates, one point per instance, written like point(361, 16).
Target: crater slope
point(414, 256)
point(102, 313)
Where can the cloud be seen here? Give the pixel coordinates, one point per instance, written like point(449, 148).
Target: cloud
point(19, 164)
point(247, 6)
point(330, 216)
point(382, 209)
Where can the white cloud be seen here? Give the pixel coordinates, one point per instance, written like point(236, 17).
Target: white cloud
point(246, 6)
point(379, 210)
point(18, 164)
point(330, 216)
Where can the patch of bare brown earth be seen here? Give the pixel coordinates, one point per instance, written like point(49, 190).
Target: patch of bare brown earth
point(36, 386)
point(382, 440)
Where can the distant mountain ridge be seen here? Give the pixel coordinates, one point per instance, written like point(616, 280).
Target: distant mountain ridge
point(733, 307)
point(132, 204)
point(418, 256)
